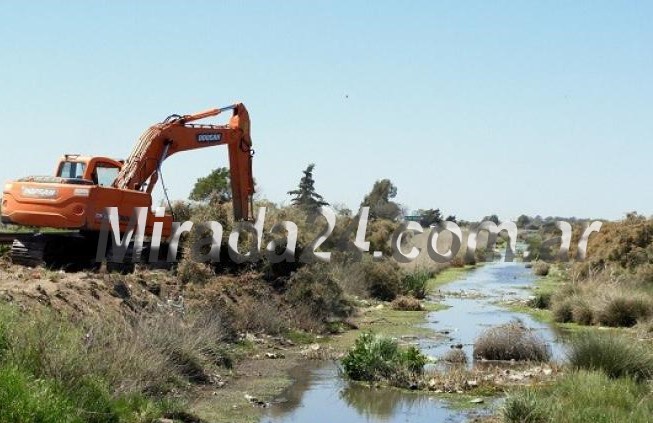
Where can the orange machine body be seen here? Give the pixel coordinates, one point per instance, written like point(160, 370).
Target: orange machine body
point(83, 187)
point(73, 203)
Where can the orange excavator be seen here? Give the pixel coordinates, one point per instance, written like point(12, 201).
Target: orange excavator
point(74, 201)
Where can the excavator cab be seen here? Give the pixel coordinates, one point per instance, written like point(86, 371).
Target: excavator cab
point(70, 169)
point(101, 171)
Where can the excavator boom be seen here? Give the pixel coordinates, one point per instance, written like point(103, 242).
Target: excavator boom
point(177, 134)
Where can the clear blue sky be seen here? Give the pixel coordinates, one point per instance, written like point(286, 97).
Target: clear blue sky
point(474, 107)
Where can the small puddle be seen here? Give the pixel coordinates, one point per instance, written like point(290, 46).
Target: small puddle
point(320, 394)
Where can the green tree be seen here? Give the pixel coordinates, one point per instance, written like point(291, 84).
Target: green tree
point(214, 187)
point(492, 218)
point(305, 196)
point(523, 221)
point(430, 217)
point(380, 203)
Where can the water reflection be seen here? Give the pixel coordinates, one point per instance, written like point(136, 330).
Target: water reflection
point(381, 404)
point(322, 396)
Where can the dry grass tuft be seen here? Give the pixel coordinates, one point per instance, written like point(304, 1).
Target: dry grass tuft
point(405, 303)
point(455, 356)
point(511, 341)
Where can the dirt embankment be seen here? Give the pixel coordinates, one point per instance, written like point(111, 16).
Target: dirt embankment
point(80, 295)
point(255, 317)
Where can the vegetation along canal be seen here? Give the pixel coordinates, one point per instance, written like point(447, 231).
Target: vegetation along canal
point(321, 394)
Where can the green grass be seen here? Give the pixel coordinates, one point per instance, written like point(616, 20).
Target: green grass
point(49, 373)
point(612, 354)
point(524, 407)
point(26, 399)
point(581, 397)
point(448, 275)
point(300, 337)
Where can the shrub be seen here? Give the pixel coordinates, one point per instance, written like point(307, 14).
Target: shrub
point(415, 282)
point(455, 355)
point(625, 311)
point(611, 354)
point(382, 279)
point(562, 310)
point(190, 271)
point(458, 261)
point(541, 300)
point(644, 275)
point(541, 268)
point(377, 358)
point(259, 314)
point(314, 289)
point(511, 341)
point(581, 312)
point(380, 233)
point(406, 304)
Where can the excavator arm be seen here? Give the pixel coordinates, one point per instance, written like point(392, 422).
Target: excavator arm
point(178, 133)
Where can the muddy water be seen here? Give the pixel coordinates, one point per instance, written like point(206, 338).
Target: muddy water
point(320, 394)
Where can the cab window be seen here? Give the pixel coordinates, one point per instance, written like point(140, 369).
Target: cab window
point(72, 170)
point(105, 174)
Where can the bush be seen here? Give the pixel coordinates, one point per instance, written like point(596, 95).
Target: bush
point(625, 311)
point(581, 312)
point(415, 282)
point(455, 355)
point(380, 233)
point(614, 355)
point(404, 303)
point(4, 251)
point(511, 341)
point(314, 289)
point(572, 307)
point(377, 358)
point(562, 311)
point(261, 314)
point(541, 268)
point(541, 300)
point(190, 271)
point(382, 279)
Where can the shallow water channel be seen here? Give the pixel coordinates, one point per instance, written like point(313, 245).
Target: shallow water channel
point(320, 394)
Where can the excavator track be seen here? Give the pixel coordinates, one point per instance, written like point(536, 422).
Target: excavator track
point(57, 250)
point(70, 251)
